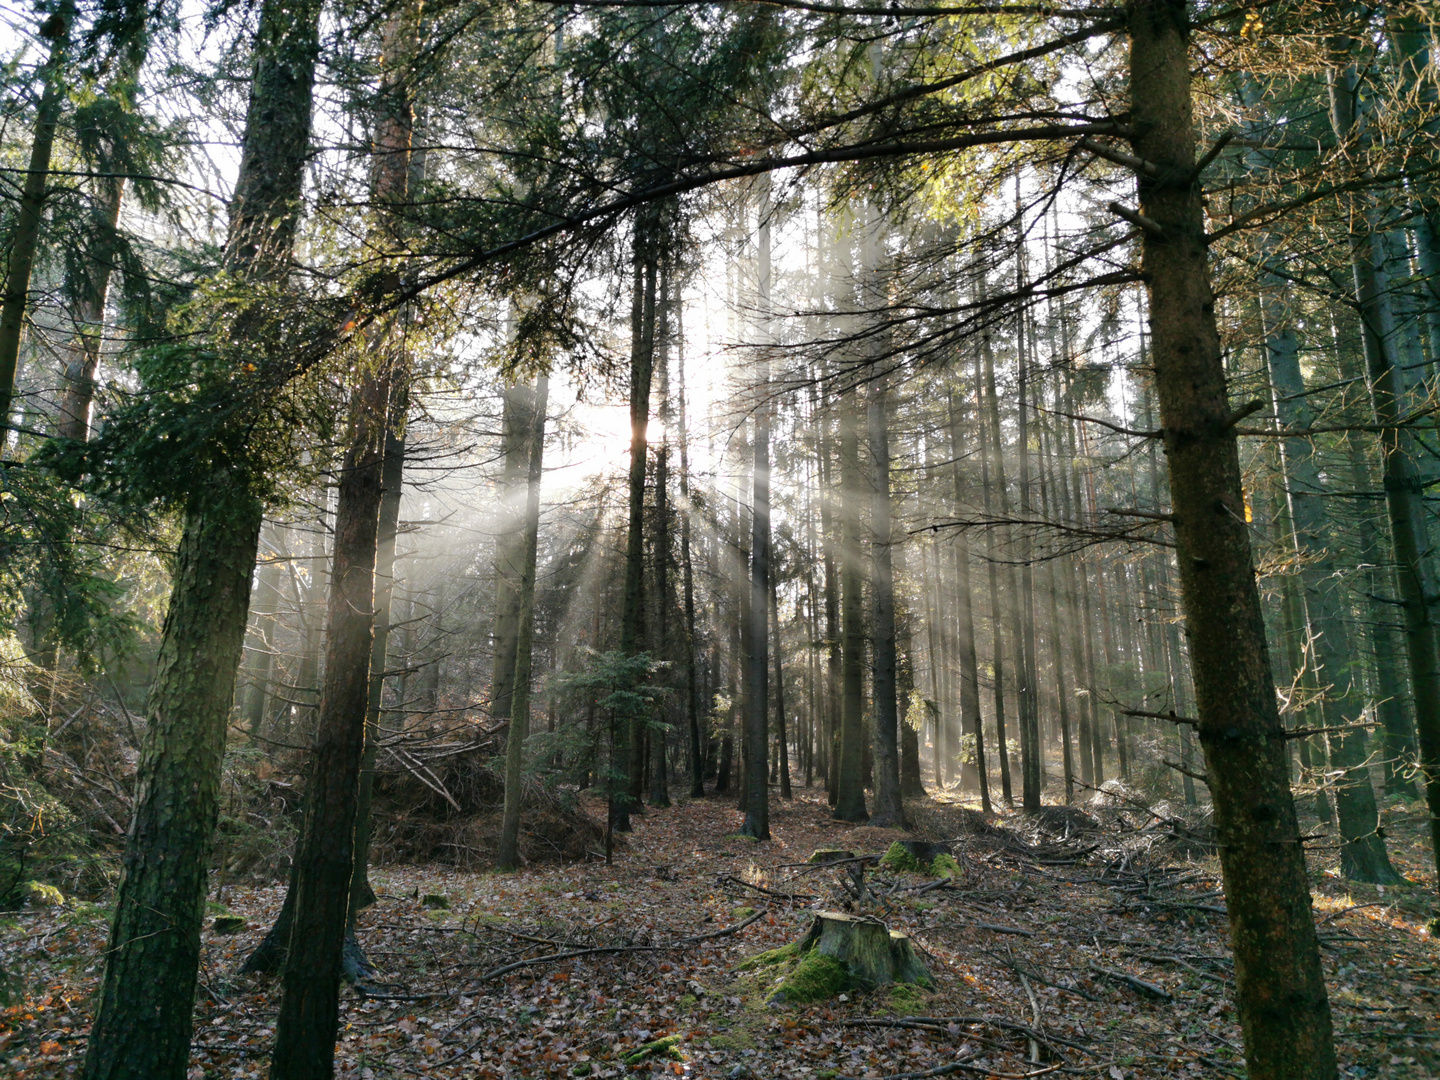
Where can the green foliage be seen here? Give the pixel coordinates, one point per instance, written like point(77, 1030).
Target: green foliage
point(42, 839)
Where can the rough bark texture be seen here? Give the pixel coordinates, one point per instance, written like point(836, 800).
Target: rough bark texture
point(1280, 991)
point(142, 1027)
point(143, 1021)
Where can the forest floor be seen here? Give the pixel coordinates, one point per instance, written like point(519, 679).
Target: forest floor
point(1060, 948)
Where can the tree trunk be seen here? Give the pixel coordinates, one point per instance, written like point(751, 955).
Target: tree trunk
point(627, 766)
point(143, 1019)
point(992, 448)
point(78, 399)
point(1362, 854)
point(392, 482)
point(1280, 989)
point(1403, 488)
point(25, 240)
point(757, 697)
point(850, 779)
point(687, 570)
point(508, 849)
point(969, 673)
point(889, 808)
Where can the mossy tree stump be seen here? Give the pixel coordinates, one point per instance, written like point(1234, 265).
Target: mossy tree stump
point(843, 952)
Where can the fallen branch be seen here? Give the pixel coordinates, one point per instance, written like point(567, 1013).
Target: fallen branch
point(1147, 988)
point(761, 889)
point(599, 950)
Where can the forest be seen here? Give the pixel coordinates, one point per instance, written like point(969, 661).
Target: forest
point(719, 539)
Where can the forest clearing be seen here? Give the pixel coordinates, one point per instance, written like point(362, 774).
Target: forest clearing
point(736, 538)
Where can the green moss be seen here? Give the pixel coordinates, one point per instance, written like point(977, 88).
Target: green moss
point(906, 998)
point(897, 858)
point(435, 900)
point(816, 977)
point(829, 855)
point(667, 1047)
point(687, 1002)
point(740, 1040)
point(827, 1074)
point(944, 866)
point(742, 913)
point(774, 956)
point(739, 836)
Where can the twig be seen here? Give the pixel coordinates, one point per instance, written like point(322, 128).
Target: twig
point(1346, 911)
point(604, 949)
point(761, 889)
point(1148, 988)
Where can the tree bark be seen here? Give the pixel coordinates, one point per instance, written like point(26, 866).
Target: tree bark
point(24, 242)
point(1280, 989)
point(508, 849)
point(850, 779)
point(143, 1018)
point(889, 811)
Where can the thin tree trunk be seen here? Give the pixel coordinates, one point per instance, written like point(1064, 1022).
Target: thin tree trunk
point(889, 809)
point(392, 483)
point(757, 714)
point(1362, 854)
point(508, 849)
point(850, 779)
point(1280, 990)
point(627, 765)
point(24, 242)
point(1403, 494)
point(992, 450)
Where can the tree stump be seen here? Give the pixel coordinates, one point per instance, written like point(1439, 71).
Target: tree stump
point(846, 952)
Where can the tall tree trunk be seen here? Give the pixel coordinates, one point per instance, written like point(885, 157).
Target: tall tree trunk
point(627, 765)
point(889, 809)
point(1403, 489)
point(757, 780)
point(969, 674)
point(1362, 854)
point(392, 482)
point(78, 399)
point(687, 570)
point(515, 425)
point(1032, 776)
point(992, 450)
point(143, 1017)
point(508, 849)
point(325, 855)
point(850, 779)
point(24, 242)
point(782, 736)
point(1280, 989)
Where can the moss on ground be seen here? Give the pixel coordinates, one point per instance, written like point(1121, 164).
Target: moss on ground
point(814, 978)
point(906, 998)
point(774, 956)
point(739, 1040)
point(668, 1047)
